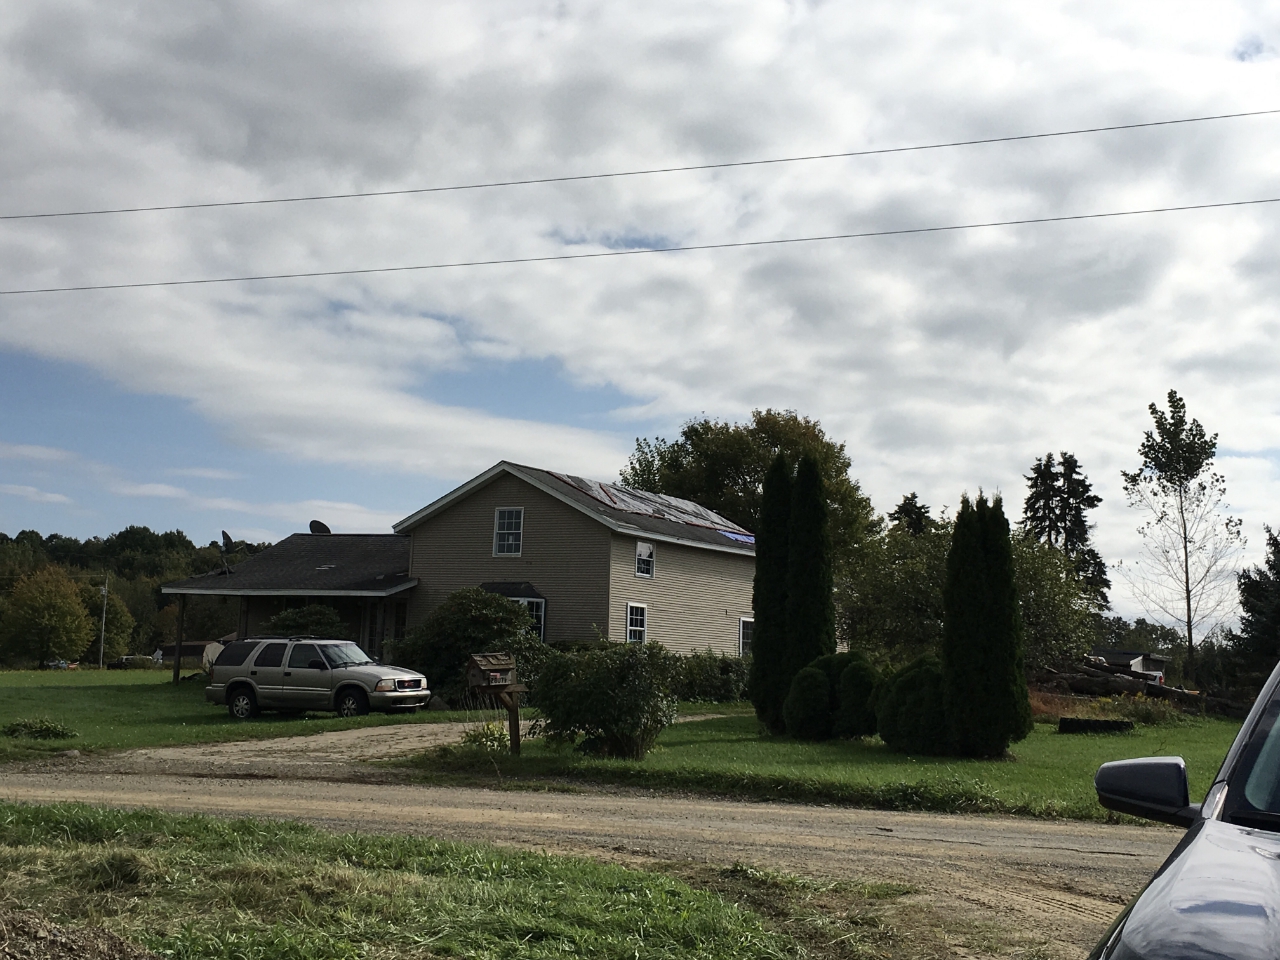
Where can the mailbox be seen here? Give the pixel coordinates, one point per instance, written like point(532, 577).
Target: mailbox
point(495, 673)
point(491, 672)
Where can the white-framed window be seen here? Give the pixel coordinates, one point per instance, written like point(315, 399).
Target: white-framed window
point(637, 622)
point(508, 531)
point(746, 625)
point(644, 559)
point(538, 610)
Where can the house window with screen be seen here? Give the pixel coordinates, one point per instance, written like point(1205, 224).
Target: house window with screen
point(644, 559)
point(508, 530)
point(538, 610)
point(745, 626)
point(637, 622)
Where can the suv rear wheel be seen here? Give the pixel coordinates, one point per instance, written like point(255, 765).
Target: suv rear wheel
point(352, 703)
point(242, 704)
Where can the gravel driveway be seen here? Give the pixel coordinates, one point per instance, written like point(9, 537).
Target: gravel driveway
point(1065, 879)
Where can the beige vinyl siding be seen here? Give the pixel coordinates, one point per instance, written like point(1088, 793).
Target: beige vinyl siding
point(564, 554)
point(695, 598)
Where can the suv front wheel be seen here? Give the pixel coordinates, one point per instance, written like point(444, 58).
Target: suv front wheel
point(242, 704)
point(352, 703)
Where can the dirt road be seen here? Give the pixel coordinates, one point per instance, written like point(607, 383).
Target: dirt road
point(1063, 878)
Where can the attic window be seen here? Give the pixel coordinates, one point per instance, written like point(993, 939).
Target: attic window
point(644, 559)
point(508, 531)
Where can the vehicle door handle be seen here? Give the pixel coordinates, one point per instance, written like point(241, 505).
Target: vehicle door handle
point(288, 674)
point(253, 673)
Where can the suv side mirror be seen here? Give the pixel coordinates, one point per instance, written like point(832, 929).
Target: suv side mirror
point(1153, 787)
point(317, 665)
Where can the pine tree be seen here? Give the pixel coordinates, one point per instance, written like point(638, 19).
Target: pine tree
point(984, 687)
point(1058, 495)
point(811, 614)
point(912, 515)
point(770, 681)
point(1260, 602)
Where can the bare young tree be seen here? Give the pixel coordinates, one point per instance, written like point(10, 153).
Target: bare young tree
point(1190, 546)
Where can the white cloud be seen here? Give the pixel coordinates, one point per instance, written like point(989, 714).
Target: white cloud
point(33, 494)
point(205, 473)
point(26, 451)
point(947, 362)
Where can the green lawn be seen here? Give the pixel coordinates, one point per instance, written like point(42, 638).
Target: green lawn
point(114, 709)
point(1050, 774)
point(191, 888)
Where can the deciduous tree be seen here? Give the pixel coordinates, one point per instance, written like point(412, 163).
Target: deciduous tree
point(722, 466)
point(44, 618)
point(1186, 572)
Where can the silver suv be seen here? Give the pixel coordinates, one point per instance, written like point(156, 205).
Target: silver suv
point(309, 673)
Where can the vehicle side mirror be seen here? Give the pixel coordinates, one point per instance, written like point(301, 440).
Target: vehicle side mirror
point(1153, 787)
point(318, 665)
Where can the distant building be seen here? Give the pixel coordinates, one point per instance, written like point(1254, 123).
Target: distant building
point(586, 558)
point(1134, 660)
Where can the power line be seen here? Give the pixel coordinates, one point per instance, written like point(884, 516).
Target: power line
point(640, 251)
point(632, 173)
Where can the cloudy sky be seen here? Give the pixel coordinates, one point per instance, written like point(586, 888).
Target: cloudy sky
point(946, 362)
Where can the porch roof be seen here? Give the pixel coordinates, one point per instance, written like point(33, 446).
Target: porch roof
point(313, 565)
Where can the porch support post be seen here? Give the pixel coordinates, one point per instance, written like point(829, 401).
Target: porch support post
point(242, 624)
point(177, 646)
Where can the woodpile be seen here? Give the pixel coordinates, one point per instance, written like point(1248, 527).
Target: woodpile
point(1099, 680)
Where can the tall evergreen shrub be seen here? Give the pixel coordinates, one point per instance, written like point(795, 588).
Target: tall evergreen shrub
point(770, 680)
point(811, 612)
point(984, 686)
point(856, 714)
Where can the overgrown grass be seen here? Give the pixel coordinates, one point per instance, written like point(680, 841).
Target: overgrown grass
point(194, 887)
point(1048, 775)
point(141, 708)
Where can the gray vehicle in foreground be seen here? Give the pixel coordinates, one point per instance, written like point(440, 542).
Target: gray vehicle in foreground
point(1217, 897)
point(295, 674)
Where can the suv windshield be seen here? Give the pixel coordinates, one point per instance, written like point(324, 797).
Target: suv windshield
point(1253, 792)
point(344, 654)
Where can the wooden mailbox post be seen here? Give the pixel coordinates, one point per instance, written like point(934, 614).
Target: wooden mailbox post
point(495, 673)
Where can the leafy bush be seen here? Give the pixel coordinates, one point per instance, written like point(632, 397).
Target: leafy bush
point(910, 715)
point(855, 715)
point(617, 699)
point(313, 620)
point(807, 709)
point(41, 728)
point(468, 621)
point(709, 677)
point(491, 737)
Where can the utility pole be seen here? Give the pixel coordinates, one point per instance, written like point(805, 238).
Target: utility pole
point(105, 589)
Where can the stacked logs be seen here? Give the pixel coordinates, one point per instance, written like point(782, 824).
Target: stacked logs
point(1099, 680)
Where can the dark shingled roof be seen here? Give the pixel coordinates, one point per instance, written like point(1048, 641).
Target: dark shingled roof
point(631, 512)
point(314, 565)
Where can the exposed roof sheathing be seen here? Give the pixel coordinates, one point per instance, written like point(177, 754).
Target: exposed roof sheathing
point(632, 512)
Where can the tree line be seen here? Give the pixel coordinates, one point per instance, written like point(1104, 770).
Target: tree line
point(51, 593)
point(888, 572)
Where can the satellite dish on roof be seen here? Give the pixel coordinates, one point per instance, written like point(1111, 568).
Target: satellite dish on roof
point(227, 545)
point(319, 528)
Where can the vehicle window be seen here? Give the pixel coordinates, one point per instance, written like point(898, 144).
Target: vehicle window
point(302, 654)
point(234, 654)
point(1253, 793)
point(344, 654)
point(271, 655)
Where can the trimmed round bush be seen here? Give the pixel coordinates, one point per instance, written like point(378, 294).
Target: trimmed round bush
point(911, 717)
point(833, 664)
point(807, 709)
point(856, 714)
